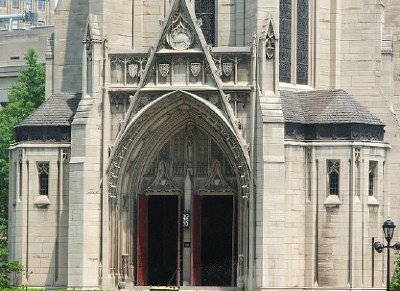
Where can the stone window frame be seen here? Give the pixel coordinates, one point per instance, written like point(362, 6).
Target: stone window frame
point(43, 168)
point(15, 4)
point(333, 166)
point(311, 50)
point(376, 173)
point(372, 177)
point(333, 177)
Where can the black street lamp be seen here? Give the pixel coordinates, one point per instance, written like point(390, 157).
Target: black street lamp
point(388, 229)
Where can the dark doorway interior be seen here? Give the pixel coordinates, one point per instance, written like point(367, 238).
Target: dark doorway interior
point(163, 239)
point(216, 250)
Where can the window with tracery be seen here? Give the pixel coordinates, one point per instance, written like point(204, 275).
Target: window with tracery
point(373, 165)
point(294, 41)
point(333, 170)
point(205, 10)
point(43, 169)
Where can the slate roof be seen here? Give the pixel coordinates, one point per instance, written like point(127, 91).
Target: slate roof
point(324, 107)
point(58, 110)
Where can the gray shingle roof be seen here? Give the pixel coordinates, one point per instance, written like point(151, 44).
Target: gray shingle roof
point(324, 107)
point(58, 110)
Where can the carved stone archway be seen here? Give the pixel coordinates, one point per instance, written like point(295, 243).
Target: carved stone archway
point(136, 153)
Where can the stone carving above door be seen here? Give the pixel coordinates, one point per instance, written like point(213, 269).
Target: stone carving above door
point(179, 37)
point(216, 181)
point(162, 181)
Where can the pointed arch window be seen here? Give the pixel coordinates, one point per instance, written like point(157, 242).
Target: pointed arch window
point(43, 169)
point(373, 165)
point(294, 22)
point(333, 169)
point(205, 10)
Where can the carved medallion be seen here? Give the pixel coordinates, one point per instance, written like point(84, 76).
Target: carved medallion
point(133, 69)
point(163, 69)
point(195, 68)
point(227, 68)
point(179, 38)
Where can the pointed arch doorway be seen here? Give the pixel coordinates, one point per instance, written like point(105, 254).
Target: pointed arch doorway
point(181, 146)
point(187, 214)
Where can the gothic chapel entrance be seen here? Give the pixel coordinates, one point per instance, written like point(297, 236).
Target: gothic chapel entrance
point(186, 214)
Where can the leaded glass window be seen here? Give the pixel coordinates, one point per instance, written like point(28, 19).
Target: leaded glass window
point(294, 42)
point(372, 177)
point(285, 48)
point(205, 10)
point(333, 169)
point(43, 169)
point(3, 3)
point(302, 41)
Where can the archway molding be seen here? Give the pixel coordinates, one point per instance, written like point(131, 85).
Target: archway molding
point(163, 117)
point(134, 151)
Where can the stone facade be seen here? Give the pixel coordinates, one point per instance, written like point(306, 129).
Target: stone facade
point(188, 163)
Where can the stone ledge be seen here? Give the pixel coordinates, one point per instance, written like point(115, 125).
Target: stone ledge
point(332, 201)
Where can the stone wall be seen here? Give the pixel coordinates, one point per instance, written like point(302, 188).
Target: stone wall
point(38, 224)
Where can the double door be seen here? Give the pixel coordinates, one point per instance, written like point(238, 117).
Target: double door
point(203, 253)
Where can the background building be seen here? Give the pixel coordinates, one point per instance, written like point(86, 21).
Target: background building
point(224, 143)
point(23, 25)
point(17, 14)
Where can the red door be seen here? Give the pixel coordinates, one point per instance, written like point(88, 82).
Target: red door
point(142, 240)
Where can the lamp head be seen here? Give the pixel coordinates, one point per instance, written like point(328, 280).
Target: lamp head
point(378, 246)
point(388, 228)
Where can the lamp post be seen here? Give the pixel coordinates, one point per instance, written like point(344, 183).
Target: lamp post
point(388, 229)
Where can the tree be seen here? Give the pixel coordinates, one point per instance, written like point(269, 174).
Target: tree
point(24, 96)
point(395, 282)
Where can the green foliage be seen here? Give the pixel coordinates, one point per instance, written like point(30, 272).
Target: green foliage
point(395, 282)
point(23, 97)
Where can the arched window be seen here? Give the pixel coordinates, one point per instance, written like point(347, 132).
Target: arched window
point(333, 169)
point(294, 41)
point(205, 9)
point(372, 177)
point(43, 169)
